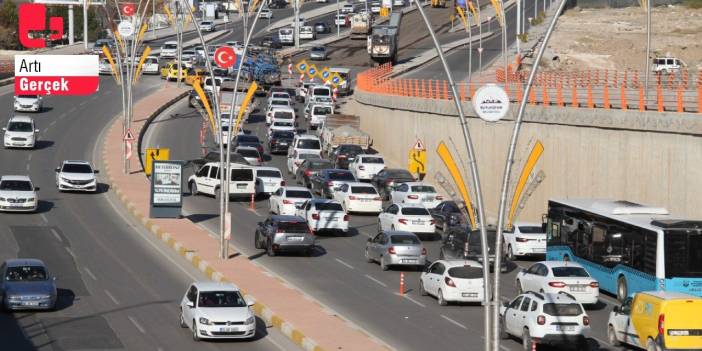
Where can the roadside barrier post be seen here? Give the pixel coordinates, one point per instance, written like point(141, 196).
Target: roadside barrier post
point(575, 96)
point(532, 97)
point(545, 98)
point(642, 99)
point(623, 98)
point(590, 103)
point(463, 92)
point(680, 98)
point(559, 94)
point(402, 283)
point(605, 97)
point(252, 204)
point(659, 95)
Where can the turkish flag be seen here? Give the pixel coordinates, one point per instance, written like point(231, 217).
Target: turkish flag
point(128, 9)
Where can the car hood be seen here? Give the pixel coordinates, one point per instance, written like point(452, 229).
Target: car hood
point(223, 314)
point(30, 288)
point(78, 176)
point(26, 101)
point(17, 194)
point(20, 134)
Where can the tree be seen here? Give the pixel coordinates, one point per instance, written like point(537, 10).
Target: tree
point(8, 15)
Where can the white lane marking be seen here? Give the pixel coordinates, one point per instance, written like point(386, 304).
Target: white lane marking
point(136, 324)
point(454, 322)
point(29, 158)
point(411, 299)
point(56, 234)
point(61, 115)
point(70, 252)
point(27, 167)
point(83, 103)
point(90, 273)
point(344, 263)
point(376, 280)
point(43, 217)
point(112, 297)
point(46, 130)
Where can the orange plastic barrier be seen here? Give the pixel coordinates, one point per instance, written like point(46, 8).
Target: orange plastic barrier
point(574, 97)
point(605, 97)
point(680, 99)
point(659, 96)
point(642, 99)
point(559, 95)
point(623, 98)
point(544, 97)
point(532, 96)
point(590, 103)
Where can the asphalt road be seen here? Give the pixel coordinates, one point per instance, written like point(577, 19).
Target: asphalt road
point(119, 287)
point(337, 275)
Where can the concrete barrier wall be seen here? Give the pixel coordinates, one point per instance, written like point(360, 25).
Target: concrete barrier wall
point(653, 158)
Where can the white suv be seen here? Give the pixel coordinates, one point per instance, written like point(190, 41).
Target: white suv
point(20, 132)
point(550, 318)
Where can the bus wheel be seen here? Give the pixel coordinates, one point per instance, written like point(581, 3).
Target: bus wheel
point(622, 290)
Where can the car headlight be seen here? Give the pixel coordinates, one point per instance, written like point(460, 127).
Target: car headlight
point(31, 199)
point(250, 320)
point(13, 297)
point(66, 180)
point(204, 321)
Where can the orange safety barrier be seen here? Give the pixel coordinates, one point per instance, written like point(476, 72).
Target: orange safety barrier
point(519, 93)
point(590, 103)
point(680, 99)
point(623, 98)
point(463, 92)
point(532, 96)
point(605, 97)
point(544, 97)
point(559, 95)
point(445, 91)
point(659, 96)
point(471, 90)
point(574, 97)
point(642, 99)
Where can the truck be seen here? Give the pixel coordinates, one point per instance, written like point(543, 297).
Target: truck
point(383, 40)
point(360, 25)
point(340, 129)
point(261, 68)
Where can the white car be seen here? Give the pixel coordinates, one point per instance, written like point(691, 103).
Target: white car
point(525, 239)
point(18, 194)
point(340, 20)
point(318, 113)
point(358, 197)
point(286, 198)
point(76, 176)
point(281, 95)
point(348, 8)
point(416, 193)
point(559, 276)
point(279, 102)
point(207, 26)
point(285, 126)
point(104, 67)
point(307, 33)
point(306, 143)
point(398, 3)
point(28, 103)
point(279, 112)
point(20, 132)
point(266, 13)
point(408, 218)
point(217, 311)
point(250, 154)
point(549, 318)
point(150, 65)
point(453, 281)
point(375, 7)
point(207, 180)
point(365, 167)
point(324, 215)
point(296, 157)
point(169, 49)
point(268, 180)
point(208, 87)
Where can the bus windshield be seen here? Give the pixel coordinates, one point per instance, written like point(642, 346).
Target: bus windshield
point(683, 254)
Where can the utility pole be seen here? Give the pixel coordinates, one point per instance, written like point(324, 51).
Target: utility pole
point(179, 35)
point(153, 19)
point(70, 25)
point(338, 27)
point(519, 24)
point(85, 24)
point(647, 65)
point(297, 24)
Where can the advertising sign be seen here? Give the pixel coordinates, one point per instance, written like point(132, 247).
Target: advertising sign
point(491, 103)
point(56, 74)
point(166, 189)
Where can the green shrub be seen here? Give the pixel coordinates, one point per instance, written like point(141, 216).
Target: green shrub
point(693, 4)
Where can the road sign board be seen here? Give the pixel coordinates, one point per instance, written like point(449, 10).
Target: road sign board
point(312, 71)
point(325, 74)
point(417, 161)
point(125, 29)
point(225, 57)
point(154, 154)
point(491, 103)
point(128, 150)
point(419, 145)
point(301, 66)
point(128, 136)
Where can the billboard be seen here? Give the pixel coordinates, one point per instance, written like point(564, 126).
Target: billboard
point(166, 189)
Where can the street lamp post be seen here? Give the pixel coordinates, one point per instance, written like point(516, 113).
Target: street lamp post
point(508, 170)
point(338, 27)
point(647, 65)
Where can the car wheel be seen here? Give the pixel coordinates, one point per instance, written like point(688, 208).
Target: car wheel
point(182, 321)
point(217, 193)
point(257, 244)
point(526, 340)
point(193, 189)
point(612, 336)
point(622, 289)
point(440, 298)
point(368, 258)
point(195, 336)
point(510, 253)
point(383, 266)
point(422, 292)
point(519, 287)
point(503, 331)
point(270, 250)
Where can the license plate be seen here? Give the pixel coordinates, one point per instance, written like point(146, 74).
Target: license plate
point(417, 221)
point(227, 330)
point(577, 288)
point(540, 250)
point(408, 260)
point(284, 144)
point(30, 303)
point(366, 200)
point(565, 328)
point(270, 183)
point(241, 186)
point(428, 198)
point(469, 294)
point(334, 218)
point(295, 238)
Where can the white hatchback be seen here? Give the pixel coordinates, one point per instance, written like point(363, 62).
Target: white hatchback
point(365, 167)
point(453, 281)
point(408, 218)
point(525, 239)
point(416, 193)
point(286, 198)
point(358, 197)
point(284, 126)
point(280, 113)
point(217, 311)
point(559, 276)
point(28, 103)
point(20, 132)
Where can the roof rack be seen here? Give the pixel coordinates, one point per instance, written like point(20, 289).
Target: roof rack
point(535, 294)
point(566, 294)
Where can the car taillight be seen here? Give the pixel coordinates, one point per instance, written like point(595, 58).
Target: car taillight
point(413, 197)
point(346, 218)
point(340, 156)
point(282, 183)
point(402, 220)
point(522, 240)
point(439, 197)
point(353, 197)
point(362, 167)
point(432, 222)
point(308, 173)
point(315, 216)
point(424, 251)
point(287, 202)
point(541, 320)
point(594, 285)
point(661, 324)
point(557, 284)
point(377, 198)
point(279, 231)
point(449, 282)
point(586, 320)
point(391, 250)
point(389, 182)
point(330, 184)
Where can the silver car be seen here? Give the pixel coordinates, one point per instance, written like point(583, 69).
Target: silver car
point(284, 233)
point(27, 285)
point(396, 248)
point(318, 53)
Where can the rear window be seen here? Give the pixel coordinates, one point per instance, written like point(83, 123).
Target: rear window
point(531, 229)
point(322, 110)
point(404, 239)
point(242, 175)
point(282, 124)
point(466, 272)
point(321, 92)
point(283, 135)
point(330, 206)
point(563, 309)
point(298, 194)
point(286, 31)
point(280, 103)
point(363, 190)
point(268, 173)
point(248, 153)
point(400, 174)
point(308, 144)
point(423, 189)
point(170, 46)
point(247, 139)
point(282, 115)
point(293, 227)
point(569, 272)
point(378, 160)
point(415, 211)
point(341, 176)
point(321, 164)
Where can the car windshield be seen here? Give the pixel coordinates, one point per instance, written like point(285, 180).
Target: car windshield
point(524, 229)
point(404, 239)
point(26, 273)
point(248, 153)
point(308, 144)
point(321, 92)
point(415, 211)
point(76, 168)
point(220, 299)
point(341, 176)
point(466, 272)
point(27, 96)
point(293, 227)
point(19, 127)
point(328, 206)
point(283, 115)
point(298, 194)
point(377, 160)
point(282, 124)
point(170, 46)
point(399, 173)
point(562, 309)
point(423, 189)
point(283, 135)
point(268, 173)
point(569, 272)
point(363, 190)
point(16, 185)
point(247, 139)
point(322, 110)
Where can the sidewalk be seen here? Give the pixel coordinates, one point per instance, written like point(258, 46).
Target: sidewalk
point(302, 320)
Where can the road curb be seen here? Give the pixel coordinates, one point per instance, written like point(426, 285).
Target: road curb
point(262, 311)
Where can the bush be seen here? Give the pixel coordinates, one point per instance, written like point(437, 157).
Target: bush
point(693, 4)
point(524, 37)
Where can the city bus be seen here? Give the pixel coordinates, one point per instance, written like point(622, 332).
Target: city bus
point(627, 247)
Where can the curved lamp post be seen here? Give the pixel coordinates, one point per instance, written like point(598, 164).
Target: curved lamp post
point(472, 164)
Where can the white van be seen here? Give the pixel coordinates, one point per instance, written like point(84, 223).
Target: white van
point(307, 33)
point(318, 113)
point(207, 180)
point(318, 94)
point(169, 49)
point(306, 143)
point(286, 36)
point(280, 113)
point(667, 64)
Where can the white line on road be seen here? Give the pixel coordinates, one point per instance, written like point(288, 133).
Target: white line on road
point(136, 324)
point(62, 115)
point(56, 234)
point(43, 217)
point(70, 252)
point(90, 273)
point(344, 263)
point(411, 299)
point(376, 280)
point(454, 322)
point(27, 167)
point(46, 130)
point(112, 297)
point(29, 158)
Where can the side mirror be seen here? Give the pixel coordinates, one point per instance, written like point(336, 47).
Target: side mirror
point(36, 188)
point(250, 303)
point(57, 169)
point(36, 131)
point(190, 304)
point(96, 171)
point(370, 240)
point(505, 304)
point(616, 309)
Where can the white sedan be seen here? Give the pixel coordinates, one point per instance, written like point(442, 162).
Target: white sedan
point(364, 167)
point(416, 193)
point(283, 126)
point(525, 239)
point(453, 281)
point(323, 214)
point(76, 176)
point(285, 199)
point(217, 311)
point(358, 197)
point(296, 158)
point(28, 103)
point(17, 193)
point(268, 180)
point(556, 276)
point(408, 218)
